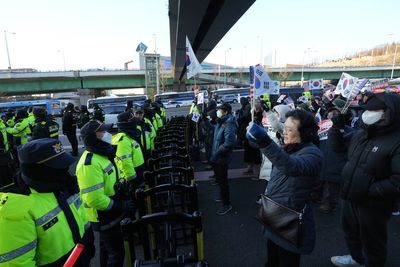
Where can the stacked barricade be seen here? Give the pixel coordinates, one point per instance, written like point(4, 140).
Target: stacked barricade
point(168, 231)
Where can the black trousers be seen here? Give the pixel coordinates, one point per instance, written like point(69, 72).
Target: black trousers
point(365, 230)
point(221, 176)
point(280, 257)
point(330, 193)
point(73, 141)
point(112, 251)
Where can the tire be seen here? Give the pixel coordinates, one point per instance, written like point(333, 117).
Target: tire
point(234, 101)
point(178, 106)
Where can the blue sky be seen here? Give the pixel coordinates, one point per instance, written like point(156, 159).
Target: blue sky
point(104, 33)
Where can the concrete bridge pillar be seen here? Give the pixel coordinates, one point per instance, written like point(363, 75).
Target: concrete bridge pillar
point(86, 94)
point(180, 86)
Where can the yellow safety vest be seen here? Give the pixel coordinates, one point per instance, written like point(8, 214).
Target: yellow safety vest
point(96, 178)
point(34, 230)
point(128, 156)
point(153, 132)
point(21, 130)
point(4, 134)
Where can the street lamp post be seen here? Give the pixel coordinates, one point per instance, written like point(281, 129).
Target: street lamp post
point(225, 65)
point(63, 56)
point(8, 53)
point(394, 61)
point(302, 64)
point(157, 70)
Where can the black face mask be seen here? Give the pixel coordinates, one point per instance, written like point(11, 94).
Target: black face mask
point(45, 179)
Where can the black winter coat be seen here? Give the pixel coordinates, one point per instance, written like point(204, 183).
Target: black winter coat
point(373, 167)
point(333, 162)
point(293, 177)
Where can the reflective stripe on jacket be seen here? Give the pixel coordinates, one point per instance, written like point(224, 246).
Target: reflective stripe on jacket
point(34, 230)
point(96, 178)
point(21, 130)
point(128, 156)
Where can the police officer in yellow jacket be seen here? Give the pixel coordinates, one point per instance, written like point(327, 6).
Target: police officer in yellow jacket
point(129, 155)
point(149, 114)
point(5, 159)
point(148, 134)
point(42, 223)
point(98, 177)
point(157, 115)
point(163, 112)
point(21, 129)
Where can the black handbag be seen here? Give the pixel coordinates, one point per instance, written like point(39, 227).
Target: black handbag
point(282, 220)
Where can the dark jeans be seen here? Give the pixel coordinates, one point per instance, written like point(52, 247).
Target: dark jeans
point(330, 193)
point(221, 176)
point(112, 251)
point(280, 257)
point(365, 230)
point(74, 142)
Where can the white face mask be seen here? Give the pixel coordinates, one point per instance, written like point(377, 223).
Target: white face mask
point(370, 117)
point(219, 113)
point(107, 137)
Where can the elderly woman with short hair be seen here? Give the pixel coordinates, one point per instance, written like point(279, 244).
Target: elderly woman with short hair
point(296, 168)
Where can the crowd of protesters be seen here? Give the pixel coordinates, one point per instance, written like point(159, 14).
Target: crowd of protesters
point(351, 165)
point(321, 149)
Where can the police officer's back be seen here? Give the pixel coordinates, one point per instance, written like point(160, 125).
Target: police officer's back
point(129, 155)
point(45, 127)
point(98, 113)
point(84, 116)
point(21, 128)
point(41, 224)
point(69, 127)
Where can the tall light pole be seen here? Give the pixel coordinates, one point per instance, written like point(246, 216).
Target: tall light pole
point(157, 71)
point(387, 46)
point(8, 53)
point(63, 56)
point(227, 50)
point(302, 64)
point(394, 61)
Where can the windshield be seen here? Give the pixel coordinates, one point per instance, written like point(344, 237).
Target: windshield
point(113, 109)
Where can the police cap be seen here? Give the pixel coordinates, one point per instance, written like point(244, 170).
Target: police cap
point(94, 126)
point(46, 151)
point(125, 116)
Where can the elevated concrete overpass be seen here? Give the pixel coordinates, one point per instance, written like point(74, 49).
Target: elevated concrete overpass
point(205, 23)
point(15, 83)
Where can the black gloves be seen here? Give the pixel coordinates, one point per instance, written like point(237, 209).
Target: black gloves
point(265, 106)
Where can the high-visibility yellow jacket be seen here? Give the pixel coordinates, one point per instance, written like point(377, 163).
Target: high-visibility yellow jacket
point(31, 119)
point(129, 155)
point(145, 138)
point(153, 132)
point(96, 178)
point(11, 122)
point(4, 137)
point(21, 130)
point(34, 230)
point(194, 108)
point(163, 113)
point(158, 120)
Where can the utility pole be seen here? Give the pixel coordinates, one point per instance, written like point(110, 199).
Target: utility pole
point(157, 59)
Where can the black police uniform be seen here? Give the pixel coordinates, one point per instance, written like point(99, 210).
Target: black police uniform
point(45, 129)
point(69, 128)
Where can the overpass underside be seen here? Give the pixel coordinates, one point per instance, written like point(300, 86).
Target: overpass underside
point(205, 22)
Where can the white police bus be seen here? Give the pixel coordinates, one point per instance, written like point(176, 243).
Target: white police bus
point(232, 95)
point(178, 99)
